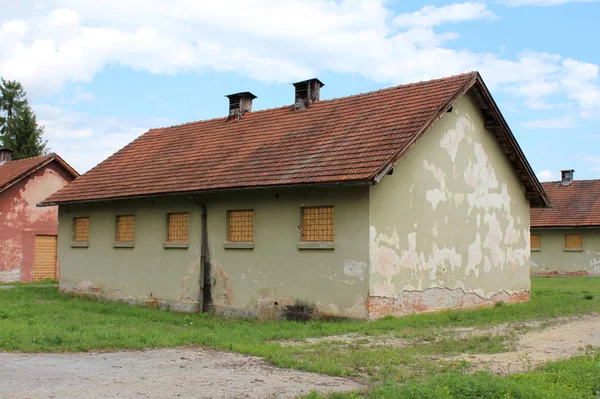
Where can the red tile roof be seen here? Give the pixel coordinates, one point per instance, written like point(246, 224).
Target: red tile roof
point(577, 204)
point(350, 139)
point(12, 172)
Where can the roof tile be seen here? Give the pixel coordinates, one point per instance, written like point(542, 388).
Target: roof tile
point(573, 205)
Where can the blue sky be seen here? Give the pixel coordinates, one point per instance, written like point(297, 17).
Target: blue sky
point(101, 73)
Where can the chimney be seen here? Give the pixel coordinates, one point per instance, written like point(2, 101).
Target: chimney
point(239, 104)
point(307, 92)
point(5, 155)
point(566, 176)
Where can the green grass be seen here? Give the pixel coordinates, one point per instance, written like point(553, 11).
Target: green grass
point(38, 319)
point(47, 281)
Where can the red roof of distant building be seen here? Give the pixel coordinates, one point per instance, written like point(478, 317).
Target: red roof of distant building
point(345, 140)
point(573, 205)
point(12, 172)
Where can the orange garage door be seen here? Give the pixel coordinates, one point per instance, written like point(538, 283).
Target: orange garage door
point(45, 258)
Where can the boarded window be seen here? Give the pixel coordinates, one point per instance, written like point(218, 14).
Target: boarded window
point(573, 241)
point(81, 229)
point(125, 229)
point(241, 226)
point(535, 242)
point(178, 229)
point(318, 223)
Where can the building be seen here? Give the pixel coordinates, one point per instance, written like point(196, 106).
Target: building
point(565, 239)
point(28, 233)
point(409, 199)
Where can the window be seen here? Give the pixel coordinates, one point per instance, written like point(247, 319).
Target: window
point(535, 242)
point(178, 229)
point(125, 231)
point(318, 223)
point(240, 226)
point(81, 229)
point(573, 242)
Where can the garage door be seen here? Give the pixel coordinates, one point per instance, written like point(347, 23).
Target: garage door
point(45, 258)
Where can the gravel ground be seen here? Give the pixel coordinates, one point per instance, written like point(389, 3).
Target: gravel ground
point(569, 337)
point(164, 373)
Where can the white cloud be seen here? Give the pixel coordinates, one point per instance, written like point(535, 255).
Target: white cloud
point(57, 43)
point(517, 3)
point(85, 140)
point(547, 175)
point(429, 16)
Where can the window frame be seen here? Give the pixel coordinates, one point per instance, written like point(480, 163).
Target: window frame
point(123, 244)
point(535, 249)
point(229, 244)
point(79, 243)
point(176, 244)
point(567, 249)
point(315, 244)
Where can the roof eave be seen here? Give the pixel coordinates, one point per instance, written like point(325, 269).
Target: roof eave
point(344, 183)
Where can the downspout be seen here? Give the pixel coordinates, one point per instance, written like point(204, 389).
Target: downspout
point(204, 279)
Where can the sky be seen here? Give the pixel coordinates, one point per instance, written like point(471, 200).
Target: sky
point(100, 73)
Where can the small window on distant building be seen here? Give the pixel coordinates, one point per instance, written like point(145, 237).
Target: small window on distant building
point(125, 231)
point(81, 229)
point(178, 229)
point(573, 242)
point(535, 242)
point(318, 223)
point(240, 226)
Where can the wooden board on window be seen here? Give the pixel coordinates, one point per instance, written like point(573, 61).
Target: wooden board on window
point(241, 226)
point(535, 241)
point(125, 228)
point(44, 264)
point(178, 226)
point(81, 229)
point(318, 223)
point(573, 241)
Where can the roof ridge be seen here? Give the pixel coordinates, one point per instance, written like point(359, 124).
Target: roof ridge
point(365, 94)
point(30, 158)
point(574, 181)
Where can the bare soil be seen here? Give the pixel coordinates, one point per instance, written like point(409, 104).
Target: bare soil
point(164, 373)
point(564, 338)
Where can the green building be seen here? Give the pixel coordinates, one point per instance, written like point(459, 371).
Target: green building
point(565, 238)
point(410, 199)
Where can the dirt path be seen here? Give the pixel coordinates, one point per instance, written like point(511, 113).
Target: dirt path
point(566, 339)
point(165, 373)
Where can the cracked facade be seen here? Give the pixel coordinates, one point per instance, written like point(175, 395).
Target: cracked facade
point(449, 228)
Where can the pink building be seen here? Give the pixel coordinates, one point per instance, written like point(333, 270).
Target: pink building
point(27, 232)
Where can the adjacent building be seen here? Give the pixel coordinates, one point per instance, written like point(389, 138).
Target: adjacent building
point(410, 199)
point(565, 238)
point(28, 234)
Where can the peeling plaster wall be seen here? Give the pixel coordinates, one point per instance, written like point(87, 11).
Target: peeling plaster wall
point(276, 277)
point(450, 227)
point(552, 259)
point(21, 220)
point(146, 274)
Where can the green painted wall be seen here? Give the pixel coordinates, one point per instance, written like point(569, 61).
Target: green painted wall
point(272, 276)
point(552, 256)
point(328, 281)
point(136, 274)
point(452, 217)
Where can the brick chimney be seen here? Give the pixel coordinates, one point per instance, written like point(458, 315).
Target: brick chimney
point(5, 155)
point(239, 104)
point(566, 177)
point(307, 92)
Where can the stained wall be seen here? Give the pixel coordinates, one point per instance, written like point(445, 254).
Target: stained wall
point(450, 227)
point(21, 220)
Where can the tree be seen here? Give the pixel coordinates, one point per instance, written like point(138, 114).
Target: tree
point(19, 130)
